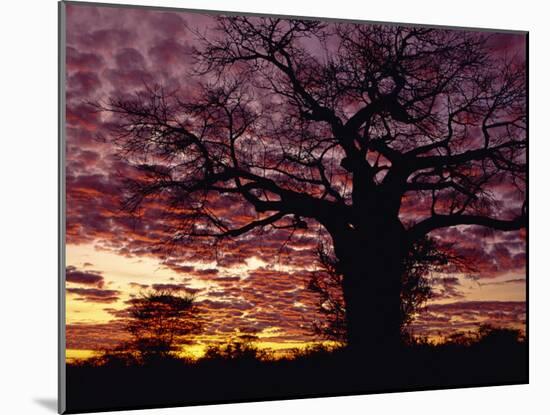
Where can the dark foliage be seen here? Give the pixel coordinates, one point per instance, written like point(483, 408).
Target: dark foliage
point(241, 349)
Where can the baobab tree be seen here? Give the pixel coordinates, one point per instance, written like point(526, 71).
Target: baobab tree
point(341, 125)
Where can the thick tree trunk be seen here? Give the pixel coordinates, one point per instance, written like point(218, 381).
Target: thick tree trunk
point(372, 265)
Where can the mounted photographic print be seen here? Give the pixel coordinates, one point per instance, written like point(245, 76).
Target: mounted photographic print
point(273, 207)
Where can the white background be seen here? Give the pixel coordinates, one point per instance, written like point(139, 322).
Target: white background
point(28, 205)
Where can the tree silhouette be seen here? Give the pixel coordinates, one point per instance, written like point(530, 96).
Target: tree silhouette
point(337, 124)
point(159, 322)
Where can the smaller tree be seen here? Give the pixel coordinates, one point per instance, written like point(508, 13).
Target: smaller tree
point(159, 322)
point(423, 259)
point(327, 284)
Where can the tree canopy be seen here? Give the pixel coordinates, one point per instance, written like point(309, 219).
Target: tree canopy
point(345, 125)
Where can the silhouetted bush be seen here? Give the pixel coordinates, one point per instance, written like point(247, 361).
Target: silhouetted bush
point(241, 349)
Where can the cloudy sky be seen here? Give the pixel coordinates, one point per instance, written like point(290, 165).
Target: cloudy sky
point(253, 284)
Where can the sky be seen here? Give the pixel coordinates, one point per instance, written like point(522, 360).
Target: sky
point(253, 284)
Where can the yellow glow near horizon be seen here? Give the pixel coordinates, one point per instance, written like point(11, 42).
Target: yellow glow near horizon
point(72, 355)
point(197, 351)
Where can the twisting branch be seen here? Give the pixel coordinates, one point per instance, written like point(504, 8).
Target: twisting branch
point(444, 221)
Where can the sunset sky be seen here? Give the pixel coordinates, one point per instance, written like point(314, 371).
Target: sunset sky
point(253, 284)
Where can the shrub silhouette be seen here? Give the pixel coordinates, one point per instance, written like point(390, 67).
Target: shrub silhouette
point(491, 336)
point(240, 349)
